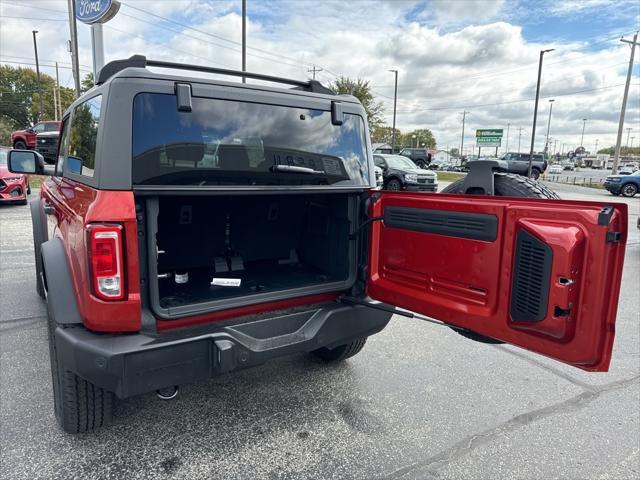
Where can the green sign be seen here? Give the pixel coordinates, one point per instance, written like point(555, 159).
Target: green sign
point(488, 141)
point(491, 132)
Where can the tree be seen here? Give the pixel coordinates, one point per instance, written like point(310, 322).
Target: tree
point(383, 134)
point(361, 89)
point(422, 136)
point(623, 150)
point(20, 99)
point(87, 83)
point(454, 152)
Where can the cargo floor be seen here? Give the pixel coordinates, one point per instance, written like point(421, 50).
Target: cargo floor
point(253, 280)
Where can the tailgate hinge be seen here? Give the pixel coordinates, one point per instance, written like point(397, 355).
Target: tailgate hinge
point(613, 237)
point(362, 225)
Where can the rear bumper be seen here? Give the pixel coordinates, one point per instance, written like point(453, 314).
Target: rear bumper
point(135, 364)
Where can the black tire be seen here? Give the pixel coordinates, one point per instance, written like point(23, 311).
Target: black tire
point(535, 173)
point(20, 145)
point(394, 185)
point(37, 242)
point(79, 406)
point(510, 185)
point(341, 352)
point(629, 190)
point(420, 163)
point(28, 188)
point(24, 202)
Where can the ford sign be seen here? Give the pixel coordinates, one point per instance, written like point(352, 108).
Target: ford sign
point(96, 11)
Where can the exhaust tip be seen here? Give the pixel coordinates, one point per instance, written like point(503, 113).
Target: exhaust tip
point(168, 393)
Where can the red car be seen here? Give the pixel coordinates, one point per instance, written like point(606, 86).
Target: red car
point(26, 139)
point(14, 187)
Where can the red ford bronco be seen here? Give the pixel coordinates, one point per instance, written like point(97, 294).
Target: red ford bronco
point(194, 226)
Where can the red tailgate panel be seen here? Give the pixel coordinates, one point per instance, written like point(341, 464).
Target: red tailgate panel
point(463, 273)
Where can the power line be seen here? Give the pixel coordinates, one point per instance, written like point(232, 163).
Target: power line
point(45, 60)
point(33, 18)
point(42, 64)
point(514, 101)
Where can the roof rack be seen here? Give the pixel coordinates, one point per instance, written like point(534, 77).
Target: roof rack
point(140, 61)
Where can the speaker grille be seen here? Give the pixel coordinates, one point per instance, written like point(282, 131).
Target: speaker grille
point(531, 279)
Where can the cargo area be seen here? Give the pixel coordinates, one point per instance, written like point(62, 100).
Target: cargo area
point(215, 252)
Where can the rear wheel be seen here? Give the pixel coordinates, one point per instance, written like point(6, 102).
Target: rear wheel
point(20, 145)
point(505, 185)
point(629, 190)
point(420, 163)
point(535, 173)
point(79, 405)
point(341, 352)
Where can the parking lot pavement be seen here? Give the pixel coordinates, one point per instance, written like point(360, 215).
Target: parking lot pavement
point(419, 401)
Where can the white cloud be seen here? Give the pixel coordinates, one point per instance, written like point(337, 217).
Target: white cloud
point(484, 66)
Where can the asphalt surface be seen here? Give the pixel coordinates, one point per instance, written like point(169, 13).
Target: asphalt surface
point(419, 402)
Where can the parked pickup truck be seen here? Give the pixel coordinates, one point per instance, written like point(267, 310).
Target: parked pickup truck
point(26, 139)
point(194, 226)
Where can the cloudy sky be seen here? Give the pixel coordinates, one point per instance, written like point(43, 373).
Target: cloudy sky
point(478, 56)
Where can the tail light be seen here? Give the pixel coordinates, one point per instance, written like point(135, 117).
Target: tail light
point(105, 261)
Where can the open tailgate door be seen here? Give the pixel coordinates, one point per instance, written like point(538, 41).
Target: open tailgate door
point(540, 274)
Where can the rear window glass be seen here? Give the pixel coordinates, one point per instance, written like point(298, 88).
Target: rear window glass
point(222, 142)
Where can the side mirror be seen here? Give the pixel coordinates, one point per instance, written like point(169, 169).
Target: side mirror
point(25, 161)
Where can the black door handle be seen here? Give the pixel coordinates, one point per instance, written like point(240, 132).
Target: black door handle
point(48, 209)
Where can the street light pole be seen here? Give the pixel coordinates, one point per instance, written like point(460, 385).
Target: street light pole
point(395, 99)
point(519, 138)
point(631, 145)
point(244, 39)
point(628, 133)
point(535, 109)
point(584, 123)
point(35, 49)
point(546, 142)
point(73, 45)
point(464, 115)
point(596, 152)
point(507, 147)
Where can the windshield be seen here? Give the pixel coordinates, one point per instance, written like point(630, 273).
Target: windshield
point(224, 142)
point(398, 161)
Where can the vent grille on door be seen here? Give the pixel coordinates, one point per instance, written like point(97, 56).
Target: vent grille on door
point(531, 278)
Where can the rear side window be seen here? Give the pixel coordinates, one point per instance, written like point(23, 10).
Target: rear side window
point(222, 142)
point(51, 127)
point(83, 134)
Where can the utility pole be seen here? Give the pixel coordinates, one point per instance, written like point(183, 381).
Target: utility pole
point(596, 150)
point(35, 49)
point(546, 142)
point(55, 105)
point(555, 144)
point(395, 99)
point(58, 90)
point(314, 70)
point(535, 109)
point(584, 123)
point(464, 116)
point(507, 147)
point(244, 39)
point(628, 133)
point(623, 110)
point(632, 139)
point(519, 138)
point(73, 45)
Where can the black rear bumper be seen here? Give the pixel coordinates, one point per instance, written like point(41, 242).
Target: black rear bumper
point(134, 364)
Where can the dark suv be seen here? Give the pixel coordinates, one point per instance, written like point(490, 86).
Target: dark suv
point(400, 173)
point(420, 156)
point(519, 163)
point(196, 226)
